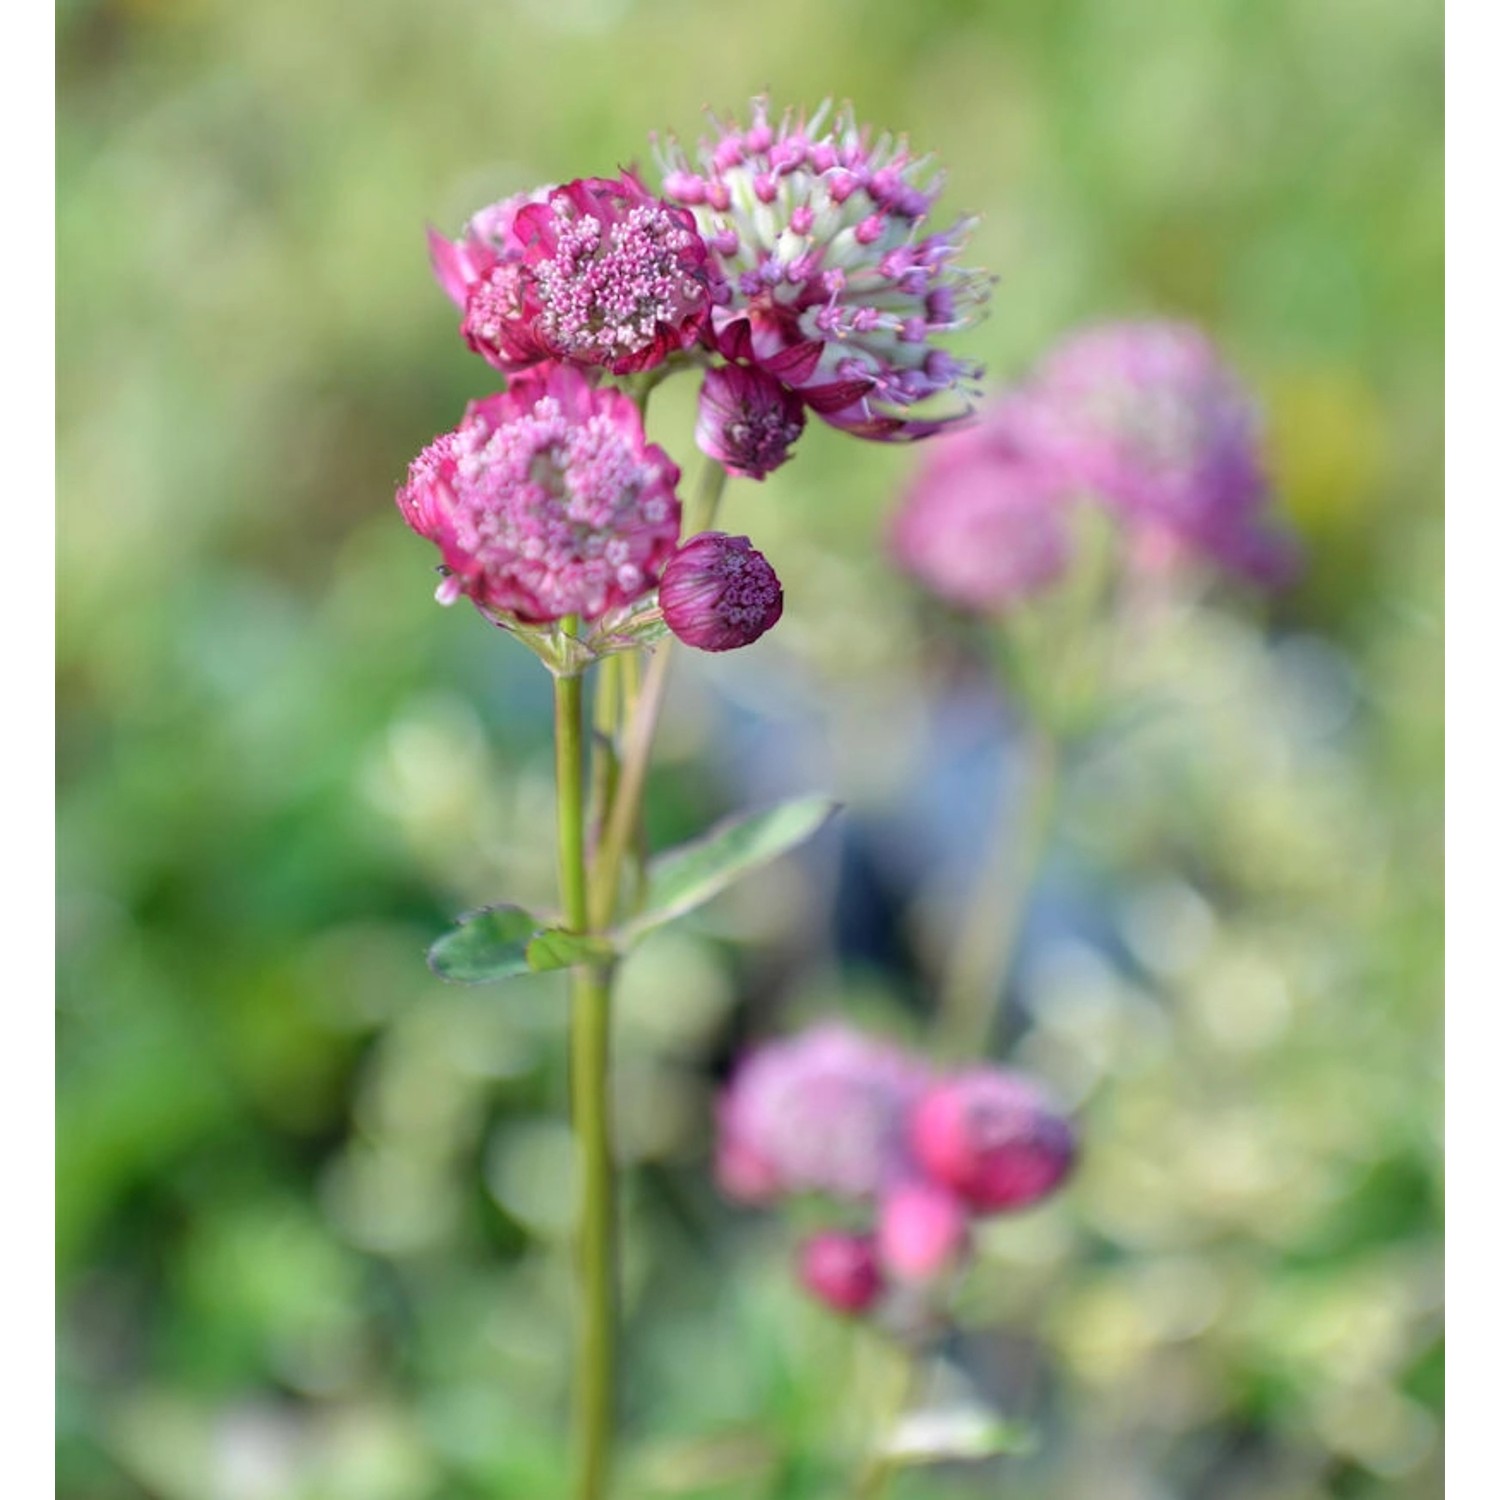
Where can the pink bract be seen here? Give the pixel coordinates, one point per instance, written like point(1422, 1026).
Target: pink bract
point(837, 286)
point(546, 500)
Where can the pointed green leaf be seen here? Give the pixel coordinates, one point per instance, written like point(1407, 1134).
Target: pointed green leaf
point(556, 948)
point(685, 877)
point(488, 944)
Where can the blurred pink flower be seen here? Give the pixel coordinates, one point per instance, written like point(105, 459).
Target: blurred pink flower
point(1146, 417)
point(822, 1112)
point(747, 421)
point(983, 524)
point(718, 593)
point(993, 1137)
point(836, 289)
point(546, 501)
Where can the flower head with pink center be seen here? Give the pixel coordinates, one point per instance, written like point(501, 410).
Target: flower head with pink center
point(546, 501)
point(1147, 417)
point(838, 288)
point(823, 1112)
point(598, 272)
point(984, 523)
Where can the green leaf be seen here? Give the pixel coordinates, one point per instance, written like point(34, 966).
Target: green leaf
point(556, 948)
point(486, 945)
point(685, 877)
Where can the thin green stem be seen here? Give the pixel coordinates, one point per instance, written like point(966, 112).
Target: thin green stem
point(594, 1370)
point(625, 809)
point(985, 946)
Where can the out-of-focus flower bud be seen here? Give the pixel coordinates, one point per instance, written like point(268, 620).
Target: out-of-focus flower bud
point(840, 1270)
point(993, 1137)
point(923, 1230)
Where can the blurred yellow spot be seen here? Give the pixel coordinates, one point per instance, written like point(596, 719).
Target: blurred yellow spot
point(1326, 440)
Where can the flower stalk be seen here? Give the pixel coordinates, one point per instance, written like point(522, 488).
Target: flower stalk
point(594, 1382)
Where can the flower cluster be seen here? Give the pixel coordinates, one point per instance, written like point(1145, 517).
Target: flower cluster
point(792, 264)
point(1141, 419)
point(837, 1114)
point(837, 288)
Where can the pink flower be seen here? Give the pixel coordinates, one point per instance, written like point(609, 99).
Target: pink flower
point(1146, 417)
point(984, 523)
point(840, 1271)
point(822, 1112)
point(605, 275)
point(747, 421)
point(718, 593)
point(993, 1138)
point(837, 289)
point(546, 501)
point(923, 1230)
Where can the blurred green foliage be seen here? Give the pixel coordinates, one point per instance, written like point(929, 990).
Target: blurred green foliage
point(312, 1204)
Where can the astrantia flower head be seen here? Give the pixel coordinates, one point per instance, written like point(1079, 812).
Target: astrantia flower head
point(747, 420)
point(993, 1137)
point(606, 274)
point(546, 501)
point(984, 523)
point(718, 593)
point(1148, 418)
point(837, 287)
point(823, 1112)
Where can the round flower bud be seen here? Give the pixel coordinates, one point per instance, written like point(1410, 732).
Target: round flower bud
point(923, 1230)
point(718, 593)
point(993, 1137)
point(840, 1271)
point(747, 421)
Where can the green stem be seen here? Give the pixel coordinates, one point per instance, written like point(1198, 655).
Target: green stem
point(881, 1466)
point(985, 946)
point(594, 1371)
point(625, 810)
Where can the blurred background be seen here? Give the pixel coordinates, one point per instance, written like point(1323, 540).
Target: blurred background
point(313, 1204)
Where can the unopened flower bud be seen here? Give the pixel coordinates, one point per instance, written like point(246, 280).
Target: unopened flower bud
point(993, 1137)
point(840, 1271)
point(747, 421)
point(923, 1230)
point(718, 593)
